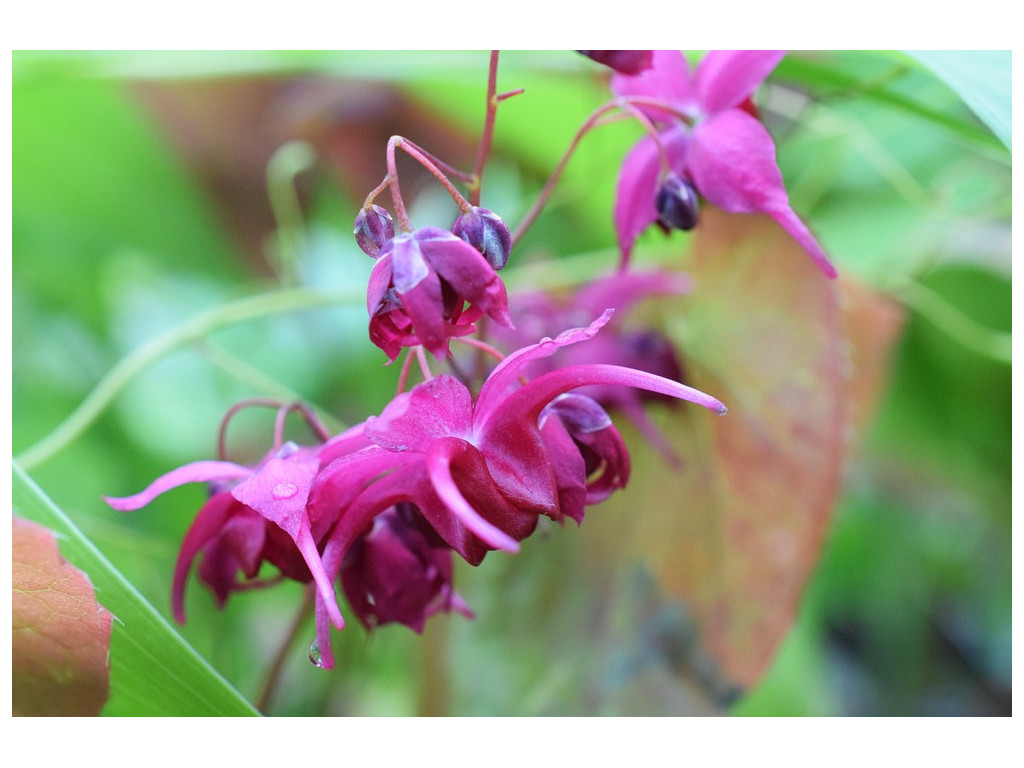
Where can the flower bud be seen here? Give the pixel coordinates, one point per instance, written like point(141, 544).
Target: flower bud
point(626, 62)
point(485, 231)
point(676, 202)
point(374, 227)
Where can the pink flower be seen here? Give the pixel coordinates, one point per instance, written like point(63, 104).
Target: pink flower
point(253, 514)
point(482, 472)
point(419, 288)
point(710, 140)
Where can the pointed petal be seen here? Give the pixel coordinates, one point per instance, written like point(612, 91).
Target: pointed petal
point(525, 404)
point(725, 79)
point(208, 522)
point(638, 182)
point(435, 408)
point(279, 492)
point(196, 472)
point(378, 284)
point(668, 79)
point(732, 159)
point(465, 269)
point(439, 460)
point(424, 305)
point(510, 369)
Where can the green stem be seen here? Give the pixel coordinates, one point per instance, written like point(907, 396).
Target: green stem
point(261, 305)
point(285, 165)
point(996, 345)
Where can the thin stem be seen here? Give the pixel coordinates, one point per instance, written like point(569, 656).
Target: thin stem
point(996, 345)
point(285, 165)
point(400, 142)
point(488, 133)
point(368, 202)
point(421, 356)
point(222, 452)
point(483, 346)
point(274, 674)
point(194, 329)
point(404, 375)
point(628, 104)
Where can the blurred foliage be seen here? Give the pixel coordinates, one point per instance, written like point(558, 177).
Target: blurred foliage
point(140, 200)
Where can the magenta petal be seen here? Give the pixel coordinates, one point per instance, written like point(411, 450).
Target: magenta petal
point(465, 269)
point(196, 472)
point(637, 186)
point(724, 79)
point(435, 408)
point(799, 232)
point(211, 518)
point(439, 458)
point(732, 159)
point(424, 305)
point(510, 369)
point(279, 492)
point(408, 263)
point(527, 403)
point(668, 79)
point(378, 284)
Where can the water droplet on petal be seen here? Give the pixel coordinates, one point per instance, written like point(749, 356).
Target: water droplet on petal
point(314, 654)
point(284, 491)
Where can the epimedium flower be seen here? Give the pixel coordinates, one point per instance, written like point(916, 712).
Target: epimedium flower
point(710, 140)
point(419, 289)
point(400, 571)
point(253, 514)
point(481, 471)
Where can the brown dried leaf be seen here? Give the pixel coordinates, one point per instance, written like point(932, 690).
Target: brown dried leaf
point(737, 531)
point(61, 635)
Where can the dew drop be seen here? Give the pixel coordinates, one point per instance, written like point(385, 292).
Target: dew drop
point(314, 654)
point(284, 491)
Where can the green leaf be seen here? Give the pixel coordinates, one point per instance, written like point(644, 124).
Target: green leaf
point(981, 79)
point(153, 670)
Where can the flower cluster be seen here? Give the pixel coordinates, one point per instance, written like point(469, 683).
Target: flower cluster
point(465, 463)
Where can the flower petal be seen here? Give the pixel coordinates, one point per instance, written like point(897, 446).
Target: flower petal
point(439, 466)
point(668, 80)
point(279, 492)
point(207, 524)
point(196, 472)
point(510, 369)
point(637, 186)
point(732, 159)
point(435, 408)
point(724, 79)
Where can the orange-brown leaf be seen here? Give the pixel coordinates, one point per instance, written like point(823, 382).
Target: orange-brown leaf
point(61, 635)
point(737, 531)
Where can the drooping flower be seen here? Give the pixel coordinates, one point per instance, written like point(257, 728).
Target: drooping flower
point(419, 289)
point(482, 472)
point(254, 514)
point(400, 571)
point(710, 140)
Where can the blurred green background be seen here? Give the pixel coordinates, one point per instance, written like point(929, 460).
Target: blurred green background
point(142, 196)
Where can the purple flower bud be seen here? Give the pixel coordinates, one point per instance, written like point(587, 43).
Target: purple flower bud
point(626, 62)
point(676, 202)
point(485, 231)
point(374, 228)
